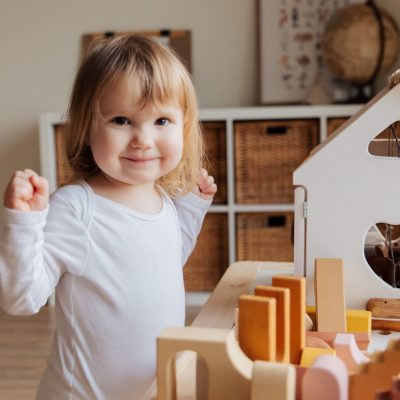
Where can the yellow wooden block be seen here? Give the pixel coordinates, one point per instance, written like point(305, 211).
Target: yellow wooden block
point(309, 354)
point(356, 320)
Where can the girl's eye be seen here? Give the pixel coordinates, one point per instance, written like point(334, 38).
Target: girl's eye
point(163, 121)
point(120, 120)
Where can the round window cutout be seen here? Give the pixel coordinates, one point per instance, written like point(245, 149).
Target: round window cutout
point(382, 252)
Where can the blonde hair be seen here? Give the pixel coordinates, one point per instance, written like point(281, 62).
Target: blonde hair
point(161, 78)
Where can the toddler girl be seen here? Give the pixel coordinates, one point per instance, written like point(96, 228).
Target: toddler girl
point(113, 242)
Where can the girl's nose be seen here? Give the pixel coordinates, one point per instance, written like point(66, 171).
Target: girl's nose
point(142, 138)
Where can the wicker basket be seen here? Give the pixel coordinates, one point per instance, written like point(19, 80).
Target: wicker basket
point(209, 259)
point(64, 171)
point(215, 138)
point(267, 153)
point(335, 123)
point(264, 236)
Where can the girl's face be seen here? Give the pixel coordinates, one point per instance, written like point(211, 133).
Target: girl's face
point(135, 145)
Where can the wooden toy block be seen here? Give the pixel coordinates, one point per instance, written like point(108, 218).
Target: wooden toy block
point(384, 308)
point(229, 370)
point(326, 379)
point(310, 311)
point(300, 371)
point(329, 295)
point(385, 313)
point(395, 389)
point(376, 375)
point(386, 324)
point(273, 381)
point(316, 342)
point(282, 297)
point(309, 354)
point(356, 320)
point(347, 349)
point(297, 288)
point(257, 327)
point(362, 338)
point(236, 326)
point(309, 324)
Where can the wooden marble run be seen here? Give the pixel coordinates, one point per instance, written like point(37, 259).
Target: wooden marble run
point(271, 355)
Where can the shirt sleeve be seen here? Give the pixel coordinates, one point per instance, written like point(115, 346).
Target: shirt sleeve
point(36, 248)
point(191, 210)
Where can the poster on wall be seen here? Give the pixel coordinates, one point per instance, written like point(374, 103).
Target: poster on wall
point(290, 47)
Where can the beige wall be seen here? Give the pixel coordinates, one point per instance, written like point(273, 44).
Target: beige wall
point(39, 42)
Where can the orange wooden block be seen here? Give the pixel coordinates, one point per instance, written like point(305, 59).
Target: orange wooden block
point(282, 297)
point(329, 295)
point(257, 327)
point(297, 286)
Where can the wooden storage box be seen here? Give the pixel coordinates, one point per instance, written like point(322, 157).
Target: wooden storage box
point(215, 139)
point(335, 123)
point(209, 259)
point(264, 236)
point(267, 153)
point(64, 171)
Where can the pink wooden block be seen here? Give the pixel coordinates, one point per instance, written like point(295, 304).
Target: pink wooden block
point(327, 379)
point(347, 349)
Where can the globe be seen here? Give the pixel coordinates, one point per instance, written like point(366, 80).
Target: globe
point(351, 43)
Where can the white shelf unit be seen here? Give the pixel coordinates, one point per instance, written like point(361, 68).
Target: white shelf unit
point(229, 116)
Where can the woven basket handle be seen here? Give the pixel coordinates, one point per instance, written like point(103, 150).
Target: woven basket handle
point(276, 130)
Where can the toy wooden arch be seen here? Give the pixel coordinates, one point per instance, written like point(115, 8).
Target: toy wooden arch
point(230, 374)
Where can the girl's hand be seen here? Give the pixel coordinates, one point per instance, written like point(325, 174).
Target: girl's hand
point(206, 188)
point(27, 191)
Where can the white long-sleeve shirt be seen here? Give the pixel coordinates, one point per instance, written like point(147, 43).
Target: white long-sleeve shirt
point(118, 279)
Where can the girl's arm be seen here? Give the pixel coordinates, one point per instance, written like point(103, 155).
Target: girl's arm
point(27, 191)
point(192, 209)
point(206, 188)
point(38, 243)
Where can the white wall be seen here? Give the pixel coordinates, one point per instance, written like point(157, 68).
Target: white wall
point(40, 45)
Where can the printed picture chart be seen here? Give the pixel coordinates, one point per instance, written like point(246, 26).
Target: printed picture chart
point(291, 32)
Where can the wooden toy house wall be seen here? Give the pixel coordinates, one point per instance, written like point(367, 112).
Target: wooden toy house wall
point(347, 190)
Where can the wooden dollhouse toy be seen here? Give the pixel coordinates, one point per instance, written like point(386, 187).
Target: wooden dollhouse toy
point(342, 191)
point(265, 352)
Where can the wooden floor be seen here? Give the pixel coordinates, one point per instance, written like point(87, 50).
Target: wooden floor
point(24, 347)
